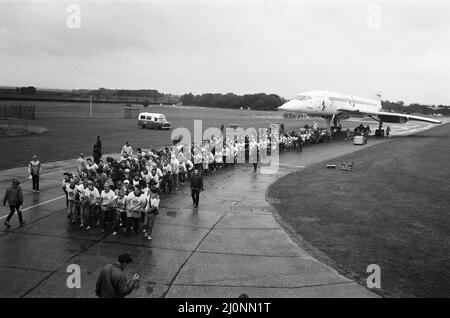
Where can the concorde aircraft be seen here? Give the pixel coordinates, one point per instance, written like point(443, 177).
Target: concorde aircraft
point(334, 107)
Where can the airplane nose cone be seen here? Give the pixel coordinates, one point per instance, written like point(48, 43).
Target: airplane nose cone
point(288, 106)
point(284, 106)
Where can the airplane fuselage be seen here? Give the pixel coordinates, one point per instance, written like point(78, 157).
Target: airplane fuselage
point(325, 103)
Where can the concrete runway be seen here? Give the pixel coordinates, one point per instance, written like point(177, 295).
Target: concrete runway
point(231, 245)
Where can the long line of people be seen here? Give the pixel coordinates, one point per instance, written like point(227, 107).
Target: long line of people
point(297, 139)
point(120, 194)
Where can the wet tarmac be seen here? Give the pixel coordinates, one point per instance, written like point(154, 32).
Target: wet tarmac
point(230, 245)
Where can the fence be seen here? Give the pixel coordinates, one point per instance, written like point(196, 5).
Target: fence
point(17, 111)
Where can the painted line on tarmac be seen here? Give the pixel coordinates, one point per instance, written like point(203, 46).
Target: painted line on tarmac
point(33, 206)
point(291, 165)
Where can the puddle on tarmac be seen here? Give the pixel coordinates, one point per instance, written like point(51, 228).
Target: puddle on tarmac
point(172, 214)
point(149, 288)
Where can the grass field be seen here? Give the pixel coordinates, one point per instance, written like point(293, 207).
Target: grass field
point(14, 130)
point(71, 131)
point(393, 210)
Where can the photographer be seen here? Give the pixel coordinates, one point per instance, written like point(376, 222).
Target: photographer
point(112, 281)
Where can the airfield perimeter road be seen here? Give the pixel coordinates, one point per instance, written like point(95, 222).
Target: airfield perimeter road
point(231, 245)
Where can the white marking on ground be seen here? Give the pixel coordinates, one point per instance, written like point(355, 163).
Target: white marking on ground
point(41, 203)
point(291, 165)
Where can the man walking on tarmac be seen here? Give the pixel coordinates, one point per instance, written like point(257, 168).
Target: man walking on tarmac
point(34, 169)
point(196, 187)
point(14, 197)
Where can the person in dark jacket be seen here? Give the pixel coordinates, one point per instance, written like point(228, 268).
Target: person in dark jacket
point(196, 187)
point(97, 153)
point(98, 143)
point(112, 281)
point(14, 197)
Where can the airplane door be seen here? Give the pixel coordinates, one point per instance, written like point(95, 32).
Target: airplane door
point(312, 103)
point(322, 105)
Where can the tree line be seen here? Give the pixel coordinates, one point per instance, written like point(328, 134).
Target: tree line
point(260, 101)
point(30, 90)
point(415, 108)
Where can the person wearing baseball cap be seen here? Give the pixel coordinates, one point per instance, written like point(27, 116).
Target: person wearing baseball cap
point(112, 281)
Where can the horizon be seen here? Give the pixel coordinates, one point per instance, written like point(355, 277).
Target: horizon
point(241, 47)
point(169, 93)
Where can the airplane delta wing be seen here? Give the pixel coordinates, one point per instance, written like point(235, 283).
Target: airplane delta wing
point(387, 117)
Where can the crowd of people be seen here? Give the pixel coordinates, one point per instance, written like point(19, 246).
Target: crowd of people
point(289, 115)
point(123, 194)
point(308, 135)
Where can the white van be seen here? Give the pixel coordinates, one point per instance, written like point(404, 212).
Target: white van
point(153, 121)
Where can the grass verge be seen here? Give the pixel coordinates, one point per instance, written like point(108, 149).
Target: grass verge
point(14, 130)
point(391, 210)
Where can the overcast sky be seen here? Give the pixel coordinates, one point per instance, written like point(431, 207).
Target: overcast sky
point(281, 47)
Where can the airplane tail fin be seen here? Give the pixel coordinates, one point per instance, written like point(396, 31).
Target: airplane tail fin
point(377, 95)
point(377, 92)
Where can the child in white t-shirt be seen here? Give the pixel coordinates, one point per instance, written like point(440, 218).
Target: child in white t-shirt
point(107, 198)
point(121, 214)
point(136, 203)
point(151, 211)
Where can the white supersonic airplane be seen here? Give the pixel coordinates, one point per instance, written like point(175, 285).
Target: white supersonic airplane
point(334, 107)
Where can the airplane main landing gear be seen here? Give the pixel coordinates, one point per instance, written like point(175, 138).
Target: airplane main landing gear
point(328, 121)
point(379, 132)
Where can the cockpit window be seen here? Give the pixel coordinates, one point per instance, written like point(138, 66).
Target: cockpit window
point(301, 97)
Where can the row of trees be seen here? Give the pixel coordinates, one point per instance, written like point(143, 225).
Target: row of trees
point(152, 93)
point(415, 108)
point(259, 101)
point(30, 90)
point(145, 96)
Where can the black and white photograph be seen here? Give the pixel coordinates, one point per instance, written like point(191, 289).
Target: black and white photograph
point(237, 151)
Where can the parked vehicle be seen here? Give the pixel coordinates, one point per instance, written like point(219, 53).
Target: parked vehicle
point(153, 121)
point(359, 140)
